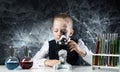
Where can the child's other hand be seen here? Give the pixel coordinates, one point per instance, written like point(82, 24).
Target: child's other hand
point(74, 47)
point(51, 63)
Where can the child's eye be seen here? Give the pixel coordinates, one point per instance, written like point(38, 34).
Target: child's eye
point(55, 30)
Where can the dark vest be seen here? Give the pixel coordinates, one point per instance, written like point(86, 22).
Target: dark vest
point(72, 57)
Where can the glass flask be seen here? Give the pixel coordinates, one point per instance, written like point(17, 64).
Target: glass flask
point(12, 62)
point(26, 62)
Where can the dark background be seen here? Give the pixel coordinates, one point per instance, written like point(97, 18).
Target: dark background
point(28, 22)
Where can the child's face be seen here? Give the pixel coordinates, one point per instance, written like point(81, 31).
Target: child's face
point(60, 25)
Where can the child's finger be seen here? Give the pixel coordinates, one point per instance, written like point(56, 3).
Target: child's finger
point(73, 49)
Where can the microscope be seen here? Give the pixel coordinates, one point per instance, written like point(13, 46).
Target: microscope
point(62, 53)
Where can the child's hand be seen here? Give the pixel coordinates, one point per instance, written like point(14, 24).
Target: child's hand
point(51, 63)
point(74, 47)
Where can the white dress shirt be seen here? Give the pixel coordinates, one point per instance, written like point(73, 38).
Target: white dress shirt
point(40, 57)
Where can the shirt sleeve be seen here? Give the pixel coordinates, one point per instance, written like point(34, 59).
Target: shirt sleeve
point(40, 56)
point(88, 57)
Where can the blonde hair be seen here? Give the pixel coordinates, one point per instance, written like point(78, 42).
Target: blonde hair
point(64, 16)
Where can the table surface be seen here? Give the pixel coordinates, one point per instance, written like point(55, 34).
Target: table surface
point(50, 69)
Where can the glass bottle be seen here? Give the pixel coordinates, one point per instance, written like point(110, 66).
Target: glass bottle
point(12, 62)
point(26, 62)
